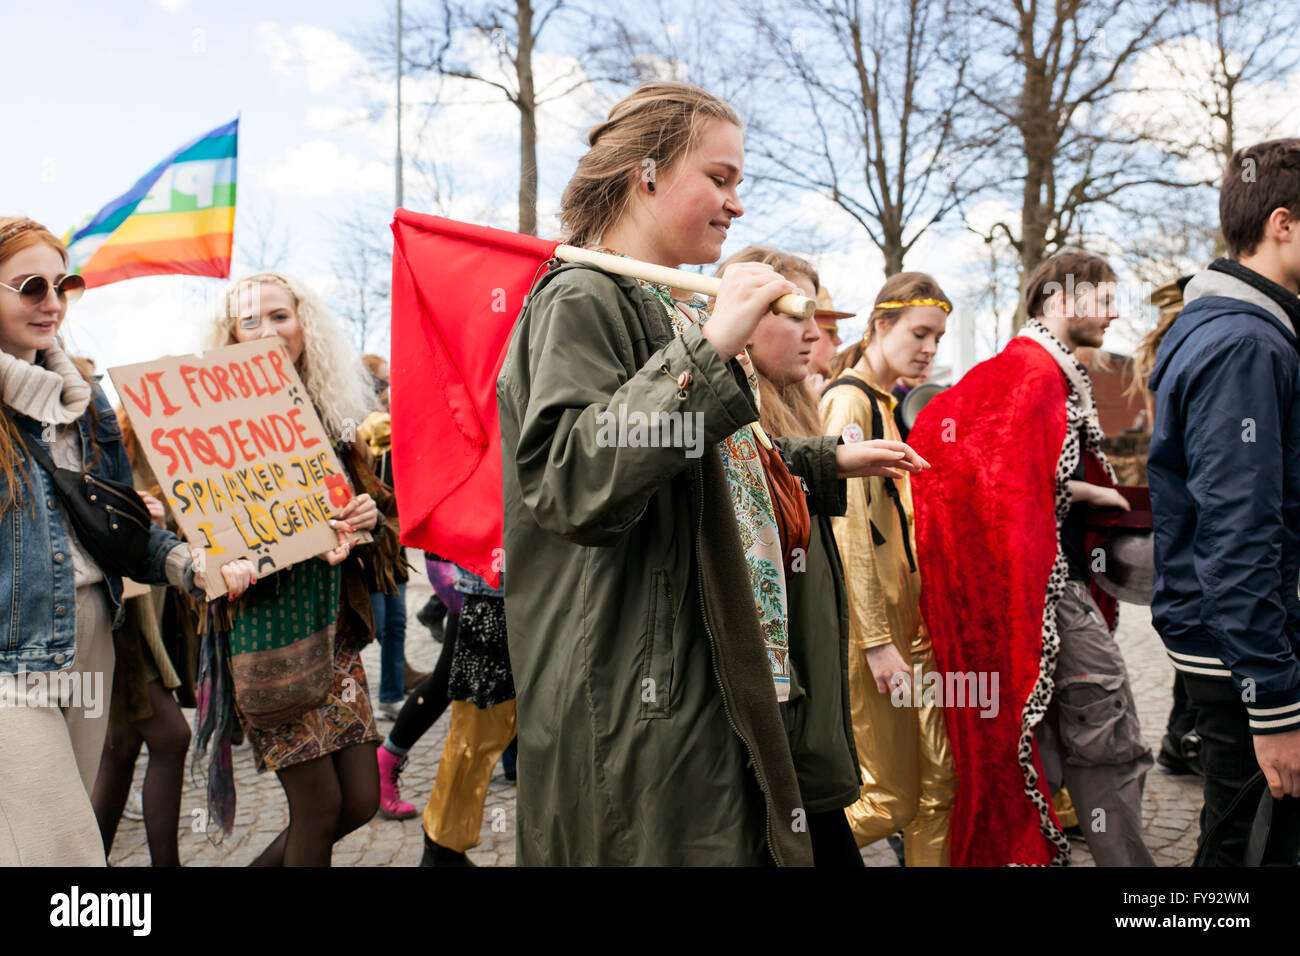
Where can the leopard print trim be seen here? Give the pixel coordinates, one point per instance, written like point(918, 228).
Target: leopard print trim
point(1080, 413)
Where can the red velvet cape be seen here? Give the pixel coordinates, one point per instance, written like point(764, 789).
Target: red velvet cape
point(987, 539)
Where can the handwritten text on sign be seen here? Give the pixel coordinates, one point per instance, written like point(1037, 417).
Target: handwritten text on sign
point(240, 453)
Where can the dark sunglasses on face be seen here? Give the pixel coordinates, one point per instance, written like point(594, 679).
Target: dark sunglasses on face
point(34, 289)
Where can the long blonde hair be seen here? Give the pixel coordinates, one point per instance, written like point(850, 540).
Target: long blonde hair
point(646, 133)
point(331, 369)
point(787, 411)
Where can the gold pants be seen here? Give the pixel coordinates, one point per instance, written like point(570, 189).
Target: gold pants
point(906, 762)
point(475, 742)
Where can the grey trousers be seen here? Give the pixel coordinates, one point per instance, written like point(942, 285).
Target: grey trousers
point(1091, 740)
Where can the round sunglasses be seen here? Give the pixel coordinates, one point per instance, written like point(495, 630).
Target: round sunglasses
point(34, 289)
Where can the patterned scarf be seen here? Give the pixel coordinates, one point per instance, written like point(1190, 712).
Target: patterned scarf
point(755, 513)
point(213, 722)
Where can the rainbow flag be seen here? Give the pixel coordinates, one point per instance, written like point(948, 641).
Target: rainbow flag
point(178, 219)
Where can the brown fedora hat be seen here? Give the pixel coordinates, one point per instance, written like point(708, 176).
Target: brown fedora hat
point(826, 309)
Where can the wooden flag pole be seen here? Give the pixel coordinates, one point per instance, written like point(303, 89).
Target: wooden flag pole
point(797, 305)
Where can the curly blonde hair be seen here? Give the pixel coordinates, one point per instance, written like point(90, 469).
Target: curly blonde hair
point(331, 369)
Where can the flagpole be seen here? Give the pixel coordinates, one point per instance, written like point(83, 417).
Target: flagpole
point(398, 115)
point(798, 306)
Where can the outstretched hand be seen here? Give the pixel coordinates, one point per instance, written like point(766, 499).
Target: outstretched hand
point(878, 458)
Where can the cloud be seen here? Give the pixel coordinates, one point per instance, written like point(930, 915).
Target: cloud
point(324, 59)
point(171, 6)
point(327, 119)
point(319, 169)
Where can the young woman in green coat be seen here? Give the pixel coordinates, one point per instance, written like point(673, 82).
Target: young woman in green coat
point(645, 596)
point(818, 718)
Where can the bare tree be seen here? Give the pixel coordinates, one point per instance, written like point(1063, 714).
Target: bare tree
point(261, 244)
point(999, 275)
point(363, 266)
point(1230, 50)
point(1068, 60)
point(1221, 83)
point(437, 43)
point(856, 102)
point(869, 118)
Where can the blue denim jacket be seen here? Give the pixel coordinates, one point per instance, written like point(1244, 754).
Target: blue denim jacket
point(469, 583)
point(37, 589)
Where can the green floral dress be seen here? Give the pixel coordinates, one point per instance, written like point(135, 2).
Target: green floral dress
point(306, 601)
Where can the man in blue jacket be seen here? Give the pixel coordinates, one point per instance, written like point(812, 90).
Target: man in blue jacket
point(1225, 492)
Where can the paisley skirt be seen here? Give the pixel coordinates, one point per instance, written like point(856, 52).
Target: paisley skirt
point(343, 720)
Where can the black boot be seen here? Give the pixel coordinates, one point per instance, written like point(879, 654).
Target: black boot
point(1182, 758)
point(435, 855)
point(433, 616)
point(895, 841)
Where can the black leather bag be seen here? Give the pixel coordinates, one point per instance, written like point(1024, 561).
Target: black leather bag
point(108, 517)
point(1274, 838)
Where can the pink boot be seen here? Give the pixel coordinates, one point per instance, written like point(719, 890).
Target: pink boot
point(391, 805)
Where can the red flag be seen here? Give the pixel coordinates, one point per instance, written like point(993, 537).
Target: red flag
point(457, 291)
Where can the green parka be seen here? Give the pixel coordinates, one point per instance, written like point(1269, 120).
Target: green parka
point(818, 716)
point(649, 732)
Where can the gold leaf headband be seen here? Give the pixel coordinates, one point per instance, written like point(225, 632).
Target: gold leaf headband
point(939, 303)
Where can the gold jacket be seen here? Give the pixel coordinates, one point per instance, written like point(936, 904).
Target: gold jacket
point(884, 590)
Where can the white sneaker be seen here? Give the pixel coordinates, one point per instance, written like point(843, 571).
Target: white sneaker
point(134, 809)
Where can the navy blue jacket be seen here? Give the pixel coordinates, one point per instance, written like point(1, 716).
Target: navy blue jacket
point(1225, 492)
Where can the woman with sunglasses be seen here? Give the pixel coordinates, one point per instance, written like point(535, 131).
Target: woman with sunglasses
point(59, 609)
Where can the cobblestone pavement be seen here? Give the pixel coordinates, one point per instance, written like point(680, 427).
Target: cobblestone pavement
point(1170, 808)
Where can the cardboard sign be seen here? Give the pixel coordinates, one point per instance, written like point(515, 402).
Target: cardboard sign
point(240, 453)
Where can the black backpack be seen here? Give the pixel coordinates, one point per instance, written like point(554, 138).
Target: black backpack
point(891, 488)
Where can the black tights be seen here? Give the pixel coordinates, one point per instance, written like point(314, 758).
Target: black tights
point(425, 704)
point(168, 737)
point(329, 797)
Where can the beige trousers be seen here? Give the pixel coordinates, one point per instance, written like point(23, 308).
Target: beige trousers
point(50, 749)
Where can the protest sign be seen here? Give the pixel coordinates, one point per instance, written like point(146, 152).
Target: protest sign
point(240, 453)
